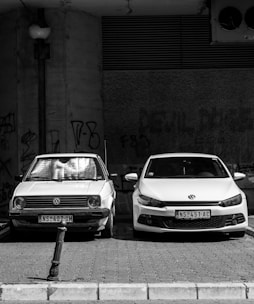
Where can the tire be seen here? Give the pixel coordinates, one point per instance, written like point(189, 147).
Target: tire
point(237, 234)
point(108, 231)
point(14, 234)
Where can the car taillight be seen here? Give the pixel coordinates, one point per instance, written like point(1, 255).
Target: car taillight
point(94, 201)
point(19, 203)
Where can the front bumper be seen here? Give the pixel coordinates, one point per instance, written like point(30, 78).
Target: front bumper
point(163, 220)
point(83, 220)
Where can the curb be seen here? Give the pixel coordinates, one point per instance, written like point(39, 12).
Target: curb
point(69, 291)
point(60, 291)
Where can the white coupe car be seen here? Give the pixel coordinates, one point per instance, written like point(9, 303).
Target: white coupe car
point(74, 188)
point(188, 192)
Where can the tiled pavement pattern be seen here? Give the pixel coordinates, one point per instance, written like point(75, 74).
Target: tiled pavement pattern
point(154, 267)
point(160, 259)
point(124, 259)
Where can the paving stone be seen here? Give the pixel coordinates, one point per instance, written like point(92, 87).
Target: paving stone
point(173, 291)
point(221, 290)
point(73, 291)
point(25, 292)
point(114, 291)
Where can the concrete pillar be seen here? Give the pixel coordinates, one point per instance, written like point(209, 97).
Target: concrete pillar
point(74, 109)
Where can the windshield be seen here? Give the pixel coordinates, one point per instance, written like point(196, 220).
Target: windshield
point(185, 167)
point(66, 168)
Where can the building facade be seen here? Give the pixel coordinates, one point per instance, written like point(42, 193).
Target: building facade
point(129, 86)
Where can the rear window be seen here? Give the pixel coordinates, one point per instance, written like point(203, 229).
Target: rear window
point(185, 167)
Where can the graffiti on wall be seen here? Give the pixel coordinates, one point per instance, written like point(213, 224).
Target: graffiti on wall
point(54, 141)
point(27, 153)
point(205, 128)
point(7, 127)
point(6, 186)
point(238, 119)
point(139, 143)
point(85, 134)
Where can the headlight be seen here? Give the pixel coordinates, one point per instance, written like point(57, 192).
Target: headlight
point(148, 201)
point(235, 200)
point(19, 203)
point(94, 201)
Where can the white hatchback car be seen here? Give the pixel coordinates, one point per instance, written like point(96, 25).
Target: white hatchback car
point(188, 192)
point(73, 187)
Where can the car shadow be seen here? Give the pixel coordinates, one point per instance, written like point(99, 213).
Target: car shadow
point(124, 231)
point(45, 237)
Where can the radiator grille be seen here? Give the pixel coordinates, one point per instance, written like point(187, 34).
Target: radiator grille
point(47, 201)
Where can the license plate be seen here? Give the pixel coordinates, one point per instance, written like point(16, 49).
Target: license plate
point(193, 214)
point(55, 218)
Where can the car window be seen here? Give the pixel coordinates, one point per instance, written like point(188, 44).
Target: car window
point(66, 168)
point(185, 167)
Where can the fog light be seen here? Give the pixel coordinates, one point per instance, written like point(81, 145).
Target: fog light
point(149, 220)
point(145, 219)
point(234, 220)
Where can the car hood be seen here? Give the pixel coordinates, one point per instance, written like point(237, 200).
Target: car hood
point(59, 188)
point(180, 189)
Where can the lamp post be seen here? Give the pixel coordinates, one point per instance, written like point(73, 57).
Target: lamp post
point(40, 31)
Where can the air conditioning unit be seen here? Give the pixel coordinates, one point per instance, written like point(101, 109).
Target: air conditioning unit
point(232, 21)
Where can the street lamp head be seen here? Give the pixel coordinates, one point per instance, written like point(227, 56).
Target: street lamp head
point(38, 32)
point(39, 29)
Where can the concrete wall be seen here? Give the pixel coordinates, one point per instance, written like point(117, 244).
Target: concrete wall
point(74, 120)
point(74, 83)
point(144, 112)
point(8, 106)
point(148, 112)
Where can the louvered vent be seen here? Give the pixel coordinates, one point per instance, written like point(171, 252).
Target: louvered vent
point(167, 42)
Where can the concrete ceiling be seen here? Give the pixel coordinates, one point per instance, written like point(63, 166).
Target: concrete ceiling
point(114, 7)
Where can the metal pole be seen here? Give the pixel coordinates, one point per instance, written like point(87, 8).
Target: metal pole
point(54, 269)
point(41, 96)
point(41, 53)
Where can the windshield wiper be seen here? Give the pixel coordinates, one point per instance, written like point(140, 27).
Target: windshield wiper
point(57, 179)
point(89, 179)
point(37, 178)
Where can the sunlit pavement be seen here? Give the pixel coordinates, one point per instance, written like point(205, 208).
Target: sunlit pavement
point(146, 289)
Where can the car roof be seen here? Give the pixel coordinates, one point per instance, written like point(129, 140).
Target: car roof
point(183, 154)
point(67, 155)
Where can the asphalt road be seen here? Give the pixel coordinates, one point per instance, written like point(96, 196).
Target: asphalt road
point(125, 259)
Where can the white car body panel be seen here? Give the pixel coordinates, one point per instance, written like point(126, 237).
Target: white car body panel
point(72, 195)
point(207, 192)
point(179, 189)
point(60, 188)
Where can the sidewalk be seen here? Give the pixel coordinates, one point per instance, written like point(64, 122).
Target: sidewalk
point(94, 291)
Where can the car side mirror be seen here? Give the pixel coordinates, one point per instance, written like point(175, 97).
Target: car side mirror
point(131, 177)
point(113, 175)
point(239, 176)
